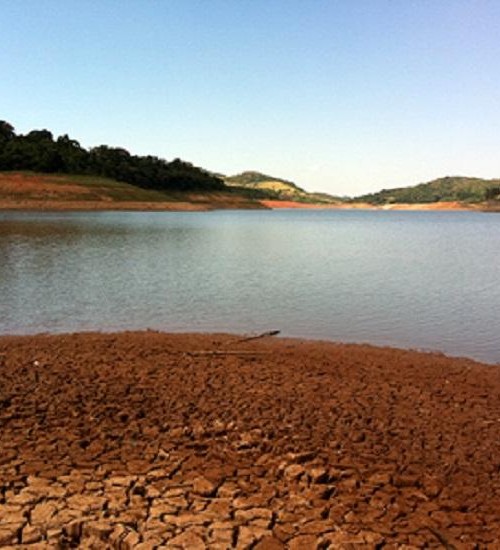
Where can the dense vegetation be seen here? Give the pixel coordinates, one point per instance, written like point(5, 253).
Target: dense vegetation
point(40, 152)
point(460, 189)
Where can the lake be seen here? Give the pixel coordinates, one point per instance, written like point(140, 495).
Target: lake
point(421, 280)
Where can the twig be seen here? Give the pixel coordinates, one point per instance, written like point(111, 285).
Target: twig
point(262, 335)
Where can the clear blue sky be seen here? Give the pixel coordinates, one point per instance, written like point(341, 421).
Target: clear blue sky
point(343, 96)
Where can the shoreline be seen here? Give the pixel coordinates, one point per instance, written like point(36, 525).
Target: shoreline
point(186, 206)
point(59, 192)
point(438, 206)
point(214, 441)
point(221, 204)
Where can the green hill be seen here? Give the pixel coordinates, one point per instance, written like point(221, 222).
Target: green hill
point(38, 151)
point(274, 188)
point(450, 188)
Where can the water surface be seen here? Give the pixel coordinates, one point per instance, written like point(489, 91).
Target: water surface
point(424, 280)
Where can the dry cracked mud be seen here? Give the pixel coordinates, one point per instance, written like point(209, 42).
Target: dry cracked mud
point(149, 440)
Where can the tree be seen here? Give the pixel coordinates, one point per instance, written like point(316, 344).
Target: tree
point(6, 131)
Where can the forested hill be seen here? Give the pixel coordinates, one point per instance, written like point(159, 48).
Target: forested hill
point(38, 151)
point(448, 189)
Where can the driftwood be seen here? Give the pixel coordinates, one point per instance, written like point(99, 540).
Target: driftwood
point(262, 335)
point(222, 352)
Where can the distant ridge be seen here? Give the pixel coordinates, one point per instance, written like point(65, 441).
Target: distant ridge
point(447, 189)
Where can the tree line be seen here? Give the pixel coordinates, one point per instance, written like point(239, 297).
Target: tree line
point(38, 151)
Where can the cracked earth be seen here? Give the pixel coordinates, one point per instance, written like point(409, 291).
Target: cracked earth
point(148, 440)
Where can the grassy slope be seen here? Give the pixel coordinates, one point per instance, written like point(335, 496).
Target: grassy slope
point(56, 190)
point(269, 187)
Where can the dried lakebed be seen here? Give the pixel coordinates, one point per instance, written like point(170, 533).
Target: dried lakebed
point(149, 440)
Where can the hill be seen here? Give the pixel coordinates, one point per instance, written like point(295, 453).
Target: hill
point(31, 190)
point(269, 187)
point(447, 189)
point(38, 151)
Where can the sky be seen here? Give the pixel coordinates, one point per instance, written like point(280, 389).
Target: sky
point(339, 96)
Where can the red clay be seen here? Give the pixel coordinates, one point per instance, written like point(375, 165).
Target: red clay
point(138, 440)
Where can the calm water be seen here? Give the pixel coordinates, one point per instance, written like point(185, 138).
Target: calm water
point(425, 280)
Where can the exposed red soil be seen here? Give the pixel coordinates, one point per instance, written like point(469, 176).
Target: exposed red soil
point(26, 191)
point(144, 440)
point(274, 204)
